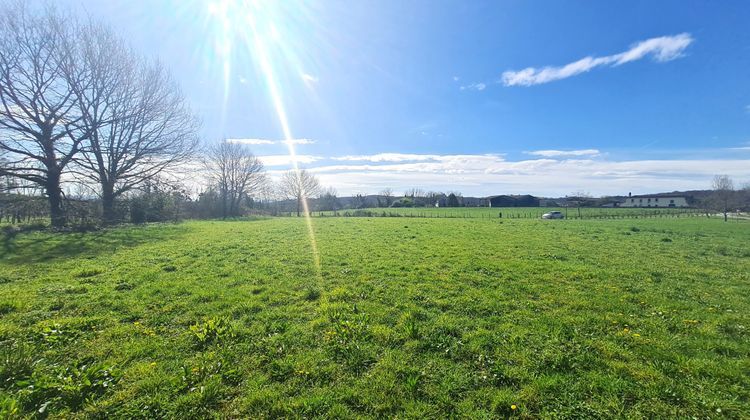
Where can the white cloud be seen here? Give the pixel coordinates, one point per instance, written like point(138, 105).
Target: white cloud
point(308, 78)
point(564, 153)
point(474, 86)
point(298, 141)
point(482, 175)
point(286, 160)
point(266, 141)
point(386, 157)
point(251, 141)
point(665, 48)
point(407, 157)
point(456, 78)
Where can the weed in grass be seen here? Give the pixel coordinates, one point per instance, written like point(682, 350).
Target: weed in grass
point(210, 331)
point(82, 382)
point(87, 272)
point(312, 294)
point(7, 307)
point(17, 362)
point(123, 285)
point(410, 326)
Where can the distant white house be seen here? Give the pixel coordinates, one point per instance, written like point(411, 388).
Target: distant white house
point(657, 200)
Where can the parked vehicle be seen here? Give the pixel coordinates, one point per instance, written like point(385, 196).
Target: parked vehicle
point(553, 215)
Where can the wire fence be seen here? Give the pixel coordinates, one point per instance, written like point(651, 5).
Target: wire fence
point(486, 213)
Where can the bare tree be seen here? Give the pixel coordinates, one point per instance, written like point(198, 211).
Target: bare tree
point(39, 114)
point(139, 121)
point(236, 173)
point(299, 185)
point(414, 193)
point(387, 194)
point(328, 200)
point(723, 193)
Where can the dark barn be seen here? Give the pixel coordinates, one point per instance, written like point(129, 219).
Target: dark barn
point(513, 201)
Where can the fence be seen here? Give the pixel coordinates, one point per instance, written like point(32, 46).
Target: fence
point(486, 213)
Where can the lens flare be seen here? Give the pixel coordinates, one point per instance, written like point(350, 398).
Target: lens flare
point(261, 36)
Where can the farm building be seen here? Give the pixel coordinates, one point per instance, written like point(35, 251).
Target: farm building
point(656, 200)
point(513, 201)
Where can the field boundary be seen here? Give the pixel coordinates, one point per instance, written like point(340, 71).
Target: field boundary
point(474, 213)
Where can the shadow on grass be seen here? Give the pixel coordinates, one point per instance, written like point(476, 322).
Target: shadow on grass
point(24, 247)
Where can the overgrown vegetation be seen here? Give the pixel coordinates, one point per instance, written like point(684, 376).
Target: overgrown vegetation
point(404, 318)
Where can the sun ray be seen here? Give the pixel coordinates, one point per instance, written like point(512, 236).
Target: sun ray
point(251, 24)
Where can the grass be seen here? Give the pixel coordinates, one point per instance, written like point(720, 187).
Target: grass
point(404, 318)
point(517, 212)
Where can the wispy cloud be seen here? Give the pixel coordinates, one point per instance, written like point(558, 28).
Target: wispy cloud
point(258, 142)
point(309, 79)
point(385, 157)
point(250, 141)
point(286, 160)
point(564, 153)
point(298, 141)
point(488, 174)
point(474, 86)
point(747, 109)
point(408, 157)
point(661, 49)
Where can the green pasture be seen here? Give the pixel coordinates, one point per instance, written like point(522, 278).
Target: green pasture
point(379, 317)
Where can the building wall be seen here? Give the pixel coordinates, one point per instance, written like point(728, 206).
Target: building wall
point(655, 202)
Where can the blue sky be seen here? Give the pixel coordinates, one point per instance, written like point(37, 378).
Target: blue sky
point(466, 95)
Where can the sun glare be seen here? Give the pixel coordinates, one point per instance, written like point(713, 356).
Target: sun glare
point(253, 24)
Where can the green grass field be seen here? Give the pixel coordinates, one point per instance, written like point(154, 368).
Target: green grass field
point(519, 212)
point(407, 318)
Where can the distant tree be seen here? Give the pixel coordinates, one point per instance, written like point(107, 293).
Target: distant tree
point(299, 185)
point(414, 193)
point(453, 200)
point(417, 196)
point(235, 173)
point(745, 196)
point(387, 195)
point(359, 201)
point(156, 201)
point(328, 200)
point(139, 123)
point(40, 128)
point(723, 193)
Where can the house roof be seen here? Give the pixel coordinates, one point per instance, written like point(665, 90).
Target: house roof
point(659, 196)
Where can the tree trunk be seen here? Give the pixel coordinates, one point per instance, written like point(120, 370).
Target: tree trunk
point(108, 204)
point(299, 202)
point(224, 198)
point(54, 195)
